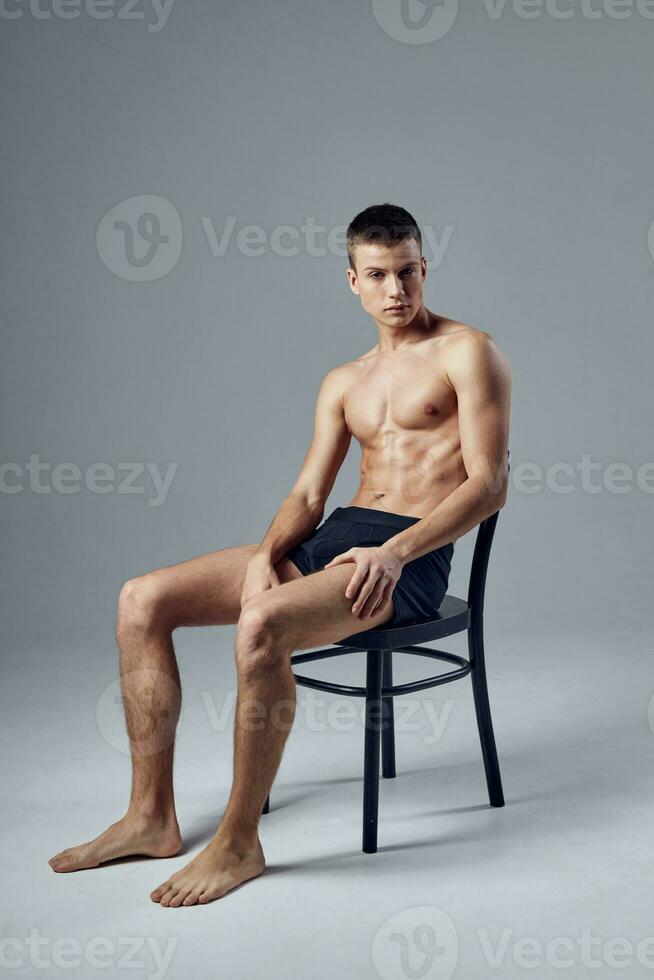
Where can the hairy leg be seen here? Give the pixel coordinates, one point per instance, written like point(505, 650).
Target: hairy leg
point(297, 615)
point(203, 591)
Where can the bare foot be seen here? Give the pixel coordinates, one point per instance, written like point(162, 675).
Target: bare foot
point(127, 836)
point(211, 874)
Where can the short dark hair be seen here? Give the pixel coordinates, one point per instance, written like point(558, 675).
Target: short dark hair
point(385, 224)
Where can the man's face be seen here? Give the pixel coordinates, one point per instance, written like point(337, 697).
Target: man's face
point(388, 276)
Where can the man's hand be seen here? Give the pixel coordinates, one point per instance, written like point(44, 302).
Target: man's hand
point(259, 577)
point(374, 579)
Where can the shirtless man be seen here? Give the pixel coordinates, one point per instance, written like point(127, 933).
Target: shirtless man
point(429, 405)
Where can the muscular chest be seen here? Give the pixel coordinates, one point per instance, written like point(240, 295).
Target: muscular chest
point(404, 397)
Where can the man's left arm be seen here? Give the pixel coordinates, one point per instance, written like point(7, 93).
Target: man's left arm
point(481, 378)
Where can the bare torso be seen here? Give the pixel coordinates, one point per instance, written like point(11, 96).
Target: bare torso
point(402, 410)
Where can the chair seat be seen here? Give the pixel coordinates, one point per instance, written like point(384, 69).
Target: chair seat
point(453, 616)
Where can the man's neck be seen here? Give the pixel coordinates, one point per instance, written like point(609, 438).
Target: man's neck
point(423, 325)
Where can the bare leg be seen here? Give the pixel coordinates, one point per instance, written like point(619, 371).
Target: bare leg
point(204, 591)
point(299, 614)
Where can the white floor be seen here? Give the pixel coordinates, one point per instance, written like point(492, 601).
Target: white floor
point(557, 883)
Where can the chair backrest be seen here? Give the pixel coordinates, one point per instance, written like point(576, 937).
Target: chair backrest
point(480, 558)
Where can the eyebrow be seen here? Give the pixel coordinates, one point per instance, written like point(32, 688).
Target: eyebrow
point(377, 268)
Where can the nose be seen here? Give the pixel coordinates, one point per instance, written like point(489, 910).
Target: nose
point(395, 289)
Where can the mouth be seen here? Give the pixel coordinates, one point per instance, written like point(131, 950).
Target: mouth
point(395, 309)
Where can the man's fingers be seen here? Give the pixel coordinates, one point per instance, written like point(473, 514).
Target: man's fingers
point(354, 583)
point(339, 558)
point(364, 593)
point(372, 600)
point(381, 599)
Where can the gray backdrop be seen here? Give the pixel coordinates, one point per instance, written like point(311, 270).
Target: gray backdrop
point(524, 144)
point(145, 324)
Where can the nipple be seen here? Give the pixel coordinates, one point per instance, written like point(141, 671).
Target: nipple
point(430, 409)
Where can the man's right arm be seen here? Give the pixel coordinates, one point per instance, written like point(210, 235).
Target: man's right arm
point(303, 508)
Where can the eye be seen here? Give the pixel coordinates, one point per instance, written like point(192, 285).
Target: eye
point(373, 274)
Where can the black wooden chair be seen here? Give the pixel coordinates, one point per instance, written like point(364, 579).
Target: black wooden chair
point(454, 616)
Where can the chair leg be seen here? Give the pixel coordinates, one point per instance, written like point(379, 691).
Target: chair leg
point(266, 806)
point(371, 750)
point(483, 712)
point(388, 728)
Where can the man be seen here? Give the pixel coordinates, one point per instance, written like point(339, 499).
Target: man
point(429, 406)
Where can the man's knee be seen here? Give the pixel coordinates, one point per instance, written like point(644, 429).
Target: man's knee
point(259, 635)
point(139, 604)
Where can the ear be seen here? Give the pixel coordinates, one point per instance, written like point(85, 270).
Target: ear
point(352, 279)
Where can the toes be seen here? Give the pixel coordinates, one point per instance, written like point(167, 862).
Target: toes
point(182, 895)
point(62, 864)
point(166, 899)
point(57, 858)
point(158, 892)
point(177, 898)
point(191, 898)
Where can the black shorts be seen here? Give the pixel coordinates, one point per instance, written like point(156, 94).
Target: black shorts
point(421, 587)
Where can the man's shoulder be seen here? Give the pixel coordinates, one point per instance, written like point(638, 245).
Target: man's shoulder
point(471, 353)
point(466, 343)
point(341, 374)
point(336, 381)
point(458, 334)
